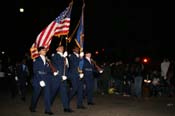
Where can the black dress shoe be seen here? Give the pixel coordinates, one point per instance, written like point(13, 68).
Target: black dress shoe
point(49, 113)
point(91, 103)
point(68, 110)
point(81, 107)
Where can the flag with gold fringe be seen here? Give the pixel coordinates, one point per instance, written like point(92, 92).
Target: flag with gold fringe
point(59, 26)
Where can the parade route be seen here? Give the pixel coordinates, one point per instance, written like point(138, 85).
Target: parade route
point(105, 105)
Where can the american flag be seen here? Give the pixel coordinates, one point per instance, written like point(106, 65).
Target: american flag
point(59, 26)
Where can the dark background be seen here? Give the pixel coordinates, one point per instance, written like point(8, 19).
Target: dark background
point(118, 28)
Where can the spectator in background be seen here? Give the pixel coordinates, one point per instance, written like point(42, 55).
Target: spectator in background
point(164, 66)
point(105, 78)
point(138, 77)
point(23, 75)
point(12, 78)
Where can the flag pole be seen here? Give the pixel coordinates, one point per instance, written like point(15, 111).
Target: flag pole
point(82, 33)
point(64, 73)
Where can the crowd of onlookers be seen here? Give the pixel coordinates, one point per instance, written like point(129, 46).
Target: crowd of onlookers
point(138, 79)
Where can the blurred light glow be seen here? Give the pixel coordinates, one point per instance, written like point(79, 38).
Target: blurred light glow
point(96, 52)
point(145, 60)
point(147, 81)
point(2, 52)
point(21, 10)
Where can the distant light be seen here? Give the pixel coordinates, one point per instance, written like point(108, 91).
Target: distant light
point(2, 52)
point(146, 60)
point(96, 52)
point(21, 10)
point(147, 81)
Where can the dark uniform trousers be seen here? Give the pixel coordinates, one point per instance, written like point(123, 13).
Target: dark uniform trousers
point(88, 70)
point(76, 82)
point(58, 85)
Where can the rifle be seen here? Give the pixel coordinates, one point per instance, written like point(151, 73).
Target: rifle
point(52, 67)
point(96, 66)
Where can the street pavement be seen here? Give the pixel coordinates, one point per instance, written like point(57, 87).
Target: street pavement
point(105, 105)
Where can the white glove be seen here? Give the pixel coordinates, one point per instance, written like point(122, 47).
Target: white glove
point(42, 83)
point(81, 54)
point(81, 75)
point(16, 78)
point(65, 54)
point(64, 77)
point(67, 63)
point(56, 73)
point(101, 71)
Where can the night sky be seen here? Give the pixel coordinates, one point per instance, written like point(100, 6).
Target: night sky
point(120, 27)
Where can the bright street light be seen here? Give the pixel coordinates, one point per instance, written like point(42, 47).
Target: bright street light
point(21, 10)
